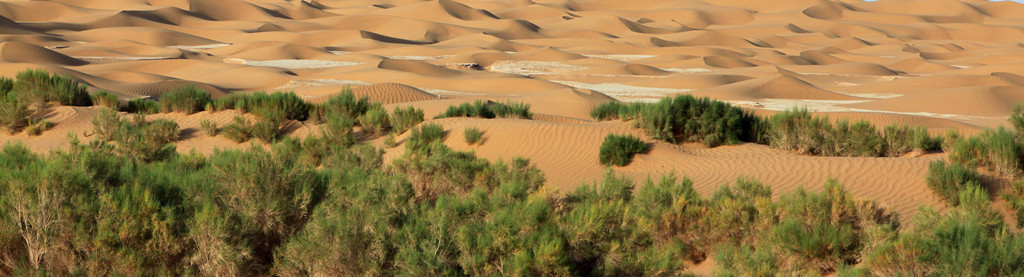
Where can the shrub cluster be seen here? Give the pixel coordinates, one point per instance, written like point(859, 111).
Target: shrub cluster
point(38, 87)
point(277, 104)
point(143, 106)
point(403, 119)
point(948, 180)
point(472, 135)
point(685, 118)
point(185, 99)
point(106, 99)
point(618, 150)
point(798, 130)
point(481, 109)
point(136, 139)
point(422, 137)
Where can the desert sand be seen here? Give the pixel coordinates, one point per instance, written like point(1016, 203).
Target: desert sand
point(936, 63)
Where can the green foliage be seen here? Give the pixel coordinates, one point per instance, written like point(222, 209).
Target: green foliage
point(143, 106)
point(38, 87)
point(481, 109)
point(208, 127)
point(267, 129)
point(343, 103)
point(375, 121)
point(998, 150)
point(798, 130)
point(1014, 196)
point(1017, 119)
point(14, 114)
point(422, 137)
point(106, 99)
point(403, 119)
point(390, 141)
point(472, 135)
point(687, 119)
point(618, 150)
point(186, 99)
point(106, 123)
point(338, 129)
point(616, 110)
point(37, 128)
point(948, 180)
point(283, 104)
point(239, 130)
point(904, 139)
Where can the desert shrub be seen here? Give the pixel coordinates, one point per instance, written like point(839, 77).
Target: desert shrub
point(1017, 119)
point(685, 118)
point(476, 109)
point(375, 121)
point(14, 114)
point(472, 135)
point(745, 260)
point(859, 139)
point(1014, 196)
point(283, 104)
point(798, 130)
point(143, 106)
point(439, 170)
point(38, 87)
point(239, 130)
point(1004, 152)
point(106, 99)
point(267, 129)
point(950, 140)
point(36, 128)
point(509, 109)
point(141, 140)
point(390, 141)
point(186, 99)
point(208, 127)
point(345, 102)
point(6, 85)
point(947, 180)
point(106, 123)
point(615, 110)
point(403, 119)
point(618, 150)
point(422, 137)
point(338, 129)
point(741, 213)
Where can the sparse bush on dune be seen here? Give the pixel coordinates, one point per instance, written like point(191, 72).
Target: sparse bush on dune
point(106, 99)
point(403, 119)
point(239, 130)
point(267, 129)
point(423, 136)
point(143, 106)
point(106, 123)
point(285, 104)
point(482, 109)
point(208, 127)
point(36, 128)
point(345, 102)
point(618, 150)
point(37, 87)
point(339, 129)
point(947, 180)
point(472, 135)
point(685, 118)
point(185, 99)
point(375, 121)
point(14, 114)
point(6, 85)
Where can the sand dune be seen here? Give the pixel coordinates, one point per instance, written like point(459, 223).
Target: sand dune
point(936, 63)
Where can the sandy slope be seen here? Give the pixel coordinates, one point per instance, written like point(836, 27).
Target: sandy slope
point(937, 63)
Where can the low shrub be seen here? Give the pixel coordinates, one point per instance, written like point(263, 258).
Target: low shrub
point(685, 118)
point(422, 137)
point(947, 180)
point(283, 104)
point(14, 114)
point(472, 135)
point(6, 85)
point(239, 130)
point(404, 119)
point(143, 106)
point(345, 102)
point(1014, 196)
point(186, 99)
point(208, 127)
point(39, 86)
point(106, 99)
point(390, 141)
point(37, 128)
point(339, 129)
point(375, 121)
point(618, 150)
point(267, 129)
point(509, 109)
point(106, 123)
point(1017, 119)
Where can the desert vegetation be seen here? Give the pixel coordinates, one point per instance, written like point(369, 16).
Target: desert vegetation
point(481, 109)
point(472, 135)
point(618, 150)
point(685, 118)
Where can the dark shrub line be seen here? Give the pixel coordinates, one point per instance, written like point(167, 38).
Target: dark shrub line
point(618, 150)
point(481, 109)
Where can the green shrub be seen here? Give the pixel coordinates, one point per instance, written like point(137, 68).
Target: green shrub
point(1014, 196)
point(106, 123)
point(14, 114)
point(345, 102)
point(375, 121)
point(1004, 152)
point(208, 127)
point(37, 128)
point(948, 180)
point(509, 109)
point(185, 99)
point(472, 135)
point(106, 99)
point(283, 104)
point(239, 130)
point(266, 129)
point(143, 106)
point(685, 118)
point(1017, 119)
point(390, 141)
point(618, 150)
point(798, 130)
point(338, 129)
point(6, 85)
point(38, 87)
point(422, 137)
point(404, 119)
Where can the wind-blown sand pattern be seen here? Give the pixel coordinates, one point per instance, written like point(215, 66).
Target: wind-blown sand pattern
point(936, 63)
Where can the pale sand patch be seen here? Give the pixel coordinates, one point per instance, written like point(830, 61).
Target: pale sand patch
point(292, 64)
